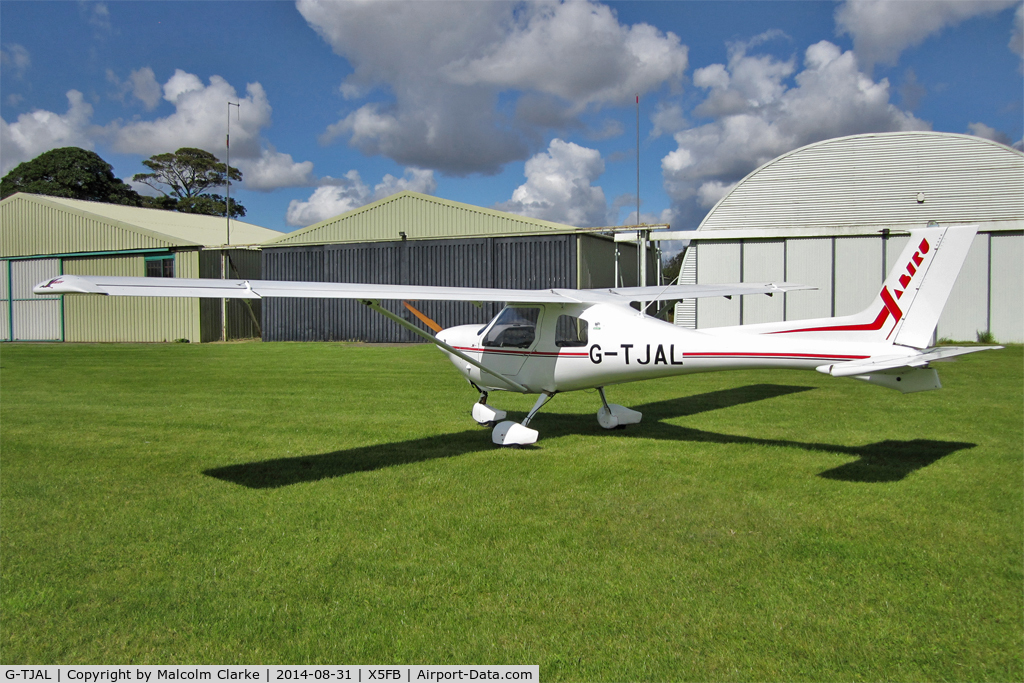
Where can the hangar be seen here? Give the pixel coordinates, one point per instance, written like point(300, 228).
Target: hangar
point(43, 237)
point(412, 238)
point(834, 214)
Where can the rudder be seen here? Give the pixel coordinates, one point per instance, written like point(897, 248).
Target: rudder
point(929, 290)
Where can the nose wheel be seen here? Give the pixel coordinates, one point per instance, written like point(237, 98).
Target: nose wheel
point(485, 414)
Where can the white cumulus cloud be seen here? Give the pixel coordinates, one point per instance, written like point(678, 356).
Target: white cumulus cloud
point(559, 187)
point(142, 85)
point(989, 133)
point(446, 64)
point(15, 57)
point(579, 52)
point(40, 131)
point(199, 120)
point(882, 29)
point(758, 114)
point(273, 170)
point(339, 195)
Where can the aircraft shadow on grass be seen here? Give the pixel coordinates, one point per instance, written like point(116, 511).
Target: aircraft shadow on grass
point(884, 461)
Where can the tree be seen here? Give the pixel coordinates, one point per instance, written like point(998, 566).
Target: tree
point(70, 172)
point(188, 173)
point(670, 269)
point(209, 205)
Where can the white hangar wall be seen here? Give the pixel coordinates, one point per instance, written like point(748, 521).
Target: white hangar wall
point(835, 215)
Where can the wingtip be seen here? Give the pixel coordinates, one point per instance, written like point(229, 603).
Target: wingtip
point(66, 284)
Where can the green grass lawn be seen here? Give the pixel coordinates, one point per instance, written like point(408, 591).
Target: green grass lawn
point(332, 503)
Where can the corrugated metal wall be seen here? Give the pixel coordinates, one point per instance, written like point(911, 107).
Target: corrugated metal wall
point(763, 262)
point(129, 318)
point(534, 262)
point(833, 203)
point(686, 310)
point(876, 180)
point(1007, 286)
point(33, 318)
point(244, 315)
point(848, 271)
point(966, 311)
point(809, 261)
point(857, 273)
point(719, 262)
point(5, 301)
point(22, 233)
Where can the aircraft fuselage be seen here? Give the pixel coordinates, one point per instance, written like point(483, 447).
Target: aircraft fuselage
point(619, 344)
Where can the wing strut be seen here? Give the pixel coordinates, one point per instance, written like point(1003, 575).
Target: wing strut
point(423, 319)
point(375, 305)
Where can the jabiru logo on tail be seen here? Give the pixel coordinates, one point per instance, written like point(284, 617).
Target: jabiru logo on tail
point(889, 305)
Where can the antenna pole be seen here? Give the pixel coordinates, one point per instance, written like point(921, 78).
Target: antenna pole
point(638, 159)
point(227, 218)
point(227, 163)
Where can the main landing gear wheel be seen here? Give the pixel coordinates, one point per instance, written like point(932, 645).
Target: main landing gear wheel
point(510, 433)
point(611, 416)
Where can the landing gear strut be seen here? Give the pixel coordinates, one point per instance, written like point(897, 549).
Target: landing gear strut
point(611, 415)
point(510, 433)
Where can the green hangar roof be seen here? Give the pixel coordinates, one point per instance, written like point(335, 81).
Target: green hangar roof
point(419, 216)
point(37, 225)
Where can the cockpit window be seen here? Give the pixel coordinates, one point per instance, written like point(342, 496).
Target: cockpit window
point(570, 331)
point(513, 328)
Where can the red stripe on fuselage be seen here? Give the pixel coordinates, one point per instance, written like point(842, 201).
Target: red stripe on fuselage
point(866, 327)
point(808, 356)
point(699, 354)
point(511, 352)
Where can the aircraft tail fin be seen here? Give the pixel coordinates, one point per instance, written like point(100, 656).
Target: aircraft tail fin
point(907, 308)
point(928, 294)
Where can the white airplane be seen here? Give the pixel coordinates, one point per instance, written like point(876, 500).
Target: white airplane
point(549, 341)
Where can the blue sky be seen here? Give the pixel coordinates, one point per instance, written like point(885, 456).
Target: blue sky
point(523, 107)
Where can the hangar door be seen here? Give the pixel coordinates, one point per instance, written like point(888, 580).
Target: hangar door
point(534, 262)
point(30, 317)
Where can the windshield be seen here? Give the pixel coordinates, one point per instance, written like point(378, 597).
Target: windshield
point(513, 328)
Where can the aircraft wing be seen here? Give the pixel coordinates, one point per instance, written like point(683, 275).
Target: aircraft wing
point(672, 292)
point(258, 289)
point(879, 364)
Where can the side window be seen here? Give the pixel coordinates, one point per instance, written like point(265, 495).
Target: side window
point(513, 328)
point(160, 266)
point(570, 331)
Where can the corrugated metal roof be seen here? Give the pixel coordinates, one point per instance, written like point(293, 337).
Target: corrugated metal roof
point(419, 216)
point(878, 180)
point(35, 224)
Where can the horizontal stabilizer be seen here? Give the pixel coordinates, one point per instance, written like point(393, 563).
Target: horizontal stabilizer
point(881, 363)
